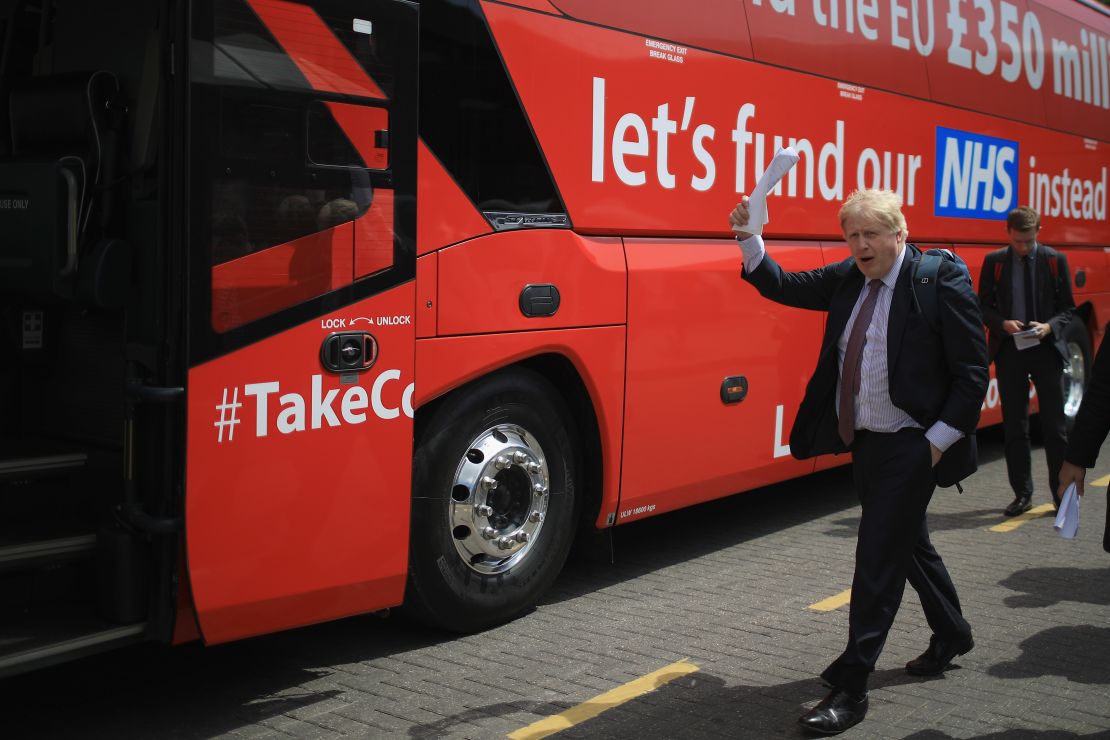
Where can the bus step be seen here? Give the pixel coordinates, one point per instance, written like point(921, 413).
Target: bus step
point(39, 465)
point(57, 650)
point(23, 555)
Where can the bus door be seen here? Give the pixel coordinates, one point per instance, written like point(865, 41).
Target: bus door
point(301, 159)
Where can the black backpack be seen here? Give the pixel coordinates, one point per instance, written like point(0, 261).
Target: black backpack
point(924, 282)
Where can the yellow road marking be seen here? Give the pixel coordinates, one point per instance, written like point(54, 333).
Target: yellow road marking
point(608, 700)
point(833, 602)
point(1035, 513)
point(1103, 481)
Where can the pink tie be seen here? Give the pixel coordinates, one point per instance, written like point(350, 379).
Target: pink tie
point(853, 360)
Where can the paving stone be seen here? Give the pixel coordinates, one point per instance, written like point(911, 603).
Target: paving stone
point(725, 585)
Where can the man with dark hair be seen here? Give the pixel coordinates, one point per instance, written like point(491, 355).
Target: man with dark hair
point(903, 394)
point(1026, 287)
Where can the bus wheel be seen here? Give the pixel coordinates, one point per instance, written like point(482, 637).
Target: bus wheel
point(1077, 367)
point(494, 502)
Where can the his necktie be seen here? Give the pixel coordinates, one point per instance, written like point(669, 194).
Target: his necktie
point(1030, 299)
point(853, 359)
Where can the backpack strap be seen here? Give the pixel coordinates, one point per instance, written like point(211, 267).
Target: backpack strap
point(925, 286)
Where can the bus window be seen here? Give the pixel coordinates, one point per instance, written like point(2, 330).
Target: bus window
point(291, 157)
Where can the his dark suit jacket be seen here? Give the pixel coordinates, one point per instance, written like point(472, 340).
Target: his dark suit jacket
point(933, 375)
point(1055, 305)
point(1092, 423)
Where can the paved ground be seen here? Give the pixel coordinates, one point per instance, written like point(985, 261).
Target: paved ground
point(725, 586)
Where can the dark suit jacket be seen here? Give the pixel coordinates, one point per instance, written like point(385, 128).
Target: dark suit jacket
point(1092, 423)
point(1055, 305)
point(933, 375)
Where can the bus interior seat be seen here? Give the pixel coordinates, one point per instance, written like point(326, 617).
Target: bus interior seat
point(56, 184)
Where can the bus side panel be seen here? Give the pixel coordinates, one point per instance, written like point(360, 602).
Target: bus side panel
point(427, 300)
point(995, 56)
point(481, 281)
point(967, 87)
point(717, 24)
point(298, 481)
point(541, 5)
point(1094, 273)
point(662, 146)
point(597, 354)
point(1075, 97)
point(445, 215)
point(799, 42)
point(692, 323)
point(1094, 264)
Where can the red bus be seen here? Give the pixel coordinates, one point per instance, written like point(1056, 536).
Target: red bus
point(320, 307)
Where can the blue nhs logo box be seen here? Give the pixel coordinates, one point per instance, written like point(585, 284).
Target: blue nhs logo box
point(977, 175)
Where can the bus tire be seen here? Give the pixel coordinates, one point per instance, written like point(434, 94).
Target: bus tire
point(494, 504)
point(1077, 368)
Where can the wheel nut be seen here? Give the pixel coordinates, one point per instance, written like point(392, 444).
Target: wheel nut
point(519, 457)
point(533, 467)
point(502, 462)
point(483, 510)
point(521, 536)
point(540, 489)
point(535, 516)
point(489, 483)
point(505, 543)
point(489, 532)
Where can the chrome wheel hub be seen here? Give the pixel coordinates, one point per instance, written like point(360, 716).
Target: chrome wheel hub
point(1075, 375)
point(499, 499)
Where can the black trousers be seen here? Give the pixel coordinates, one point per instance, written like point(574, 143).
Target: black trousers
point(894, 479)
point(1014, 368)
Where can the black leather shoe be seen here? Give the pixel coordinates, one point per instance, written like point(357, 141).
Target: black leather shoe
point(835, 713)
point(1019, 505)
point(933, 661)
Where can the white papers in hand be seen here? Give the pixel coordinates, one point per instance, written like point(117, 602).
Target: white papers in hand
point(1067, 518)
point(783, 161)
point(1026, 339)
